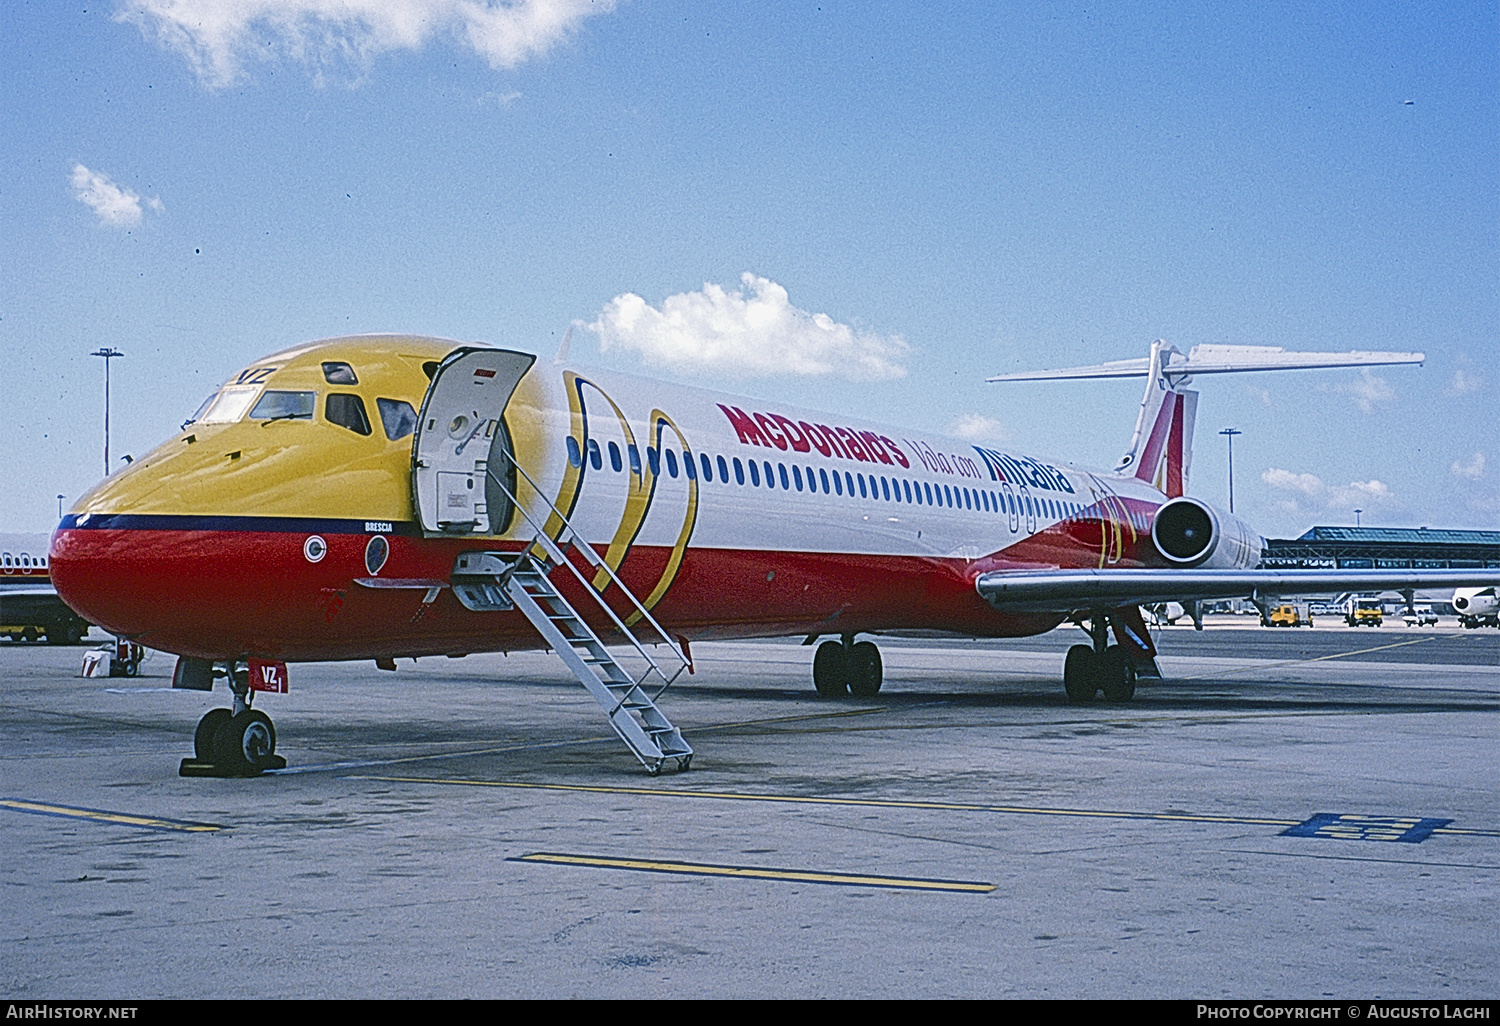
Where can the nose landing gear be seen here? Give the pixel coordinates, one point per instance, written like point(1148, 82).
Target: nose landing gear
point(238, 742)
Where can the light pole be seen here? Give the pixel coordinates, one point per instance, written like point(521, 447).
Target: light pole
point(108, 354)
point(1356, 517)
point(1229, 433)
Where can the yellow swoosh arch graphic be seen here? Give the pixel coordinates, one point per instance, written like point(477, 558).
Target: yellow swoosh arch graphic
point(641, 493)
point(1114, 521)
point(659, 421)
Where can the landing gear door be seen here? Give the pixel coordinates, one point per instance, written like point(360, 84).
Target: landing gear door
point(460, 421)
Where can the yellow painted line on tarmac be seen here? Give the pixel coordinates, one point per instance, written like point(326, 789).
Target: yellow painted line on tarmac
point(908, 883)
point(103, 816)
point(864, 803)
point(1314, 659)
point(1460, 832)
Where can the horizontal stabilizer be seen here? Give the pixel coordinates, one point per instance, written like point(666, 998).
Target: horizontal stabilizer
point(1216, 359)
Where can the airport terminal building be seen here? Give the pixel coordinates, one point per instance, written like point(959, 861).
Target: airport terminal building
point(1384, 548)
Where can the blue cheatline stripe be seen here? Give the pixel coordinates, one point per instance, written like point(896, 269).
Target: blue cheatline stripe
point(285, 525)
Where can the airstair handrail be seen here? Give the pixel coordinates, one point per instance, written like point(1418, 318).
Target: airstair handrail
point(557, 553)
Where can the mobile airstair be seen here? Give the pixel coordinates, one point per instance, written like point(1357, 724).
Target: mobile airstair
point(487, 581)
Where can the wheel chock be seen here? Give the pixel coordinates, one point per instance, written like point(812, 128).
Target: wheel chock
point(199, 768)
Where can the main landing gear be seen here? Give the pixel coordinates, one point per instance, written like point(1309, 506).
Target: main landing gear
point(1088, 670)
point(847, 667)
point(237, 742)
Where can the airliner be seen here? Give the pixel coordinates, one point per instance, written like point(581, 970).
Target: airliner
point(1477, 607)
point(29, 606)
point(379, 497)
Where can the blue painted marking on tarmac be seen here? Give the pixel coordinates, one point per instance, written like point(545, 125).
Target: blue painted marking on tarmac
point(1345, 827)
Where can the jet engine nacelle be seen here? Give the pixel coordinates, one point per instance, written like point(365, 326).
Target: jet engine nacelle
point(1191, 533)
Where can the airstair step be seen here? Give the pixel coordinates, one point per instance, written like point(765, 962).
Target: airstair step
point(522, 580)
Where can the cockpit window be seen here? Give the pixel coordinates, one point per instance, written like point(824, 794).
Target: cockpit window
point(229, 405)
point(348, 411)
point(336, 373)
point(397, 417)
point(284, 406)
point(198, 414)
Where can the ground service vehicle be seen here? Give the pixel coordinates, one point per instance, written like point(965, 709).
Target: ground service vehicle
point(1289, 614)
point(1363, 612)
point(1421, 616)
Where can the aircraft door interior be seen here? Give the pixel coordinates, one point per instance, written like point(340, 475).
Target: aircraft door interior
point(461, 434)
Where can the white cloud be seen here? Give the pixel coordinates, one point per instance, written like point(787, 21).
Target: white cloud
point(1263, 394)
point(1473, 467)
point(752, 332)
point(501, 100)
point(976, 427)
point(115, 206)
point(1316, 493)
point(1465, 382)
point(215, 36)
point(1367, 390)
point(1308, 484)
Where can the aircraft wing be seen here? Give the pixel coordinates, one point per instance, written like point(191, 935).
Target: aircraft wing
point(1066, 591)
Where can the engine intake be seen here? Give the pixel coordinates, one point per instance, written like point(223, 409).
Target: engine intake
point(1190, 533)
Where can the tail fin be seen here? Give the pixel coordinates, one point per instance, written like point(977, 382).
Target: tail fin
point(1161, 449)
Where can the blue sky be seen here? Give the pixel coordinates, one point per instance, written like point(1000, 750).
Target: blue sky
point(955, 192)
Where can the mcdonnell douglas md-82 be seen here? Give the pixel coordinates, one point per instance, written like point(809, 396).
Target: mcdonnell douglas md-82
point(386, 496)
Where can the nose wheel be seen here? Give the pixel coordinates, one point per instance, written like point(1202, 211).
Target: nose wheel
point(238, 742)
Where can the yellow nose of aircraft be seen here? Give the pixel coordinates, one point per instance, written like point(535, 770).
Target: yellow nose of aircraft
point(245, 532)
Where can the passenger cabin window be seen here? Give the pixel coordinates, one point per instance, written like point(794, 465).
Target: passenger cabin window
point(348, 411)
point(595, 459)
point(284, 406)
point(397, 417)
point(614, 457)
point(339, 374)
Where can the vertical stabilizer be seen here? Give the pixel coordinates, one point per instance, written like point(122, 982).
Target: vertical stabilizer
point(1161, 450)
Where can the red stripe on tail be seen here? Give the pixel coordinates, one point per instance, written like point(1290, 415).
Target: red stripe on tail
point(1174, 448)
point(1145, 467)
